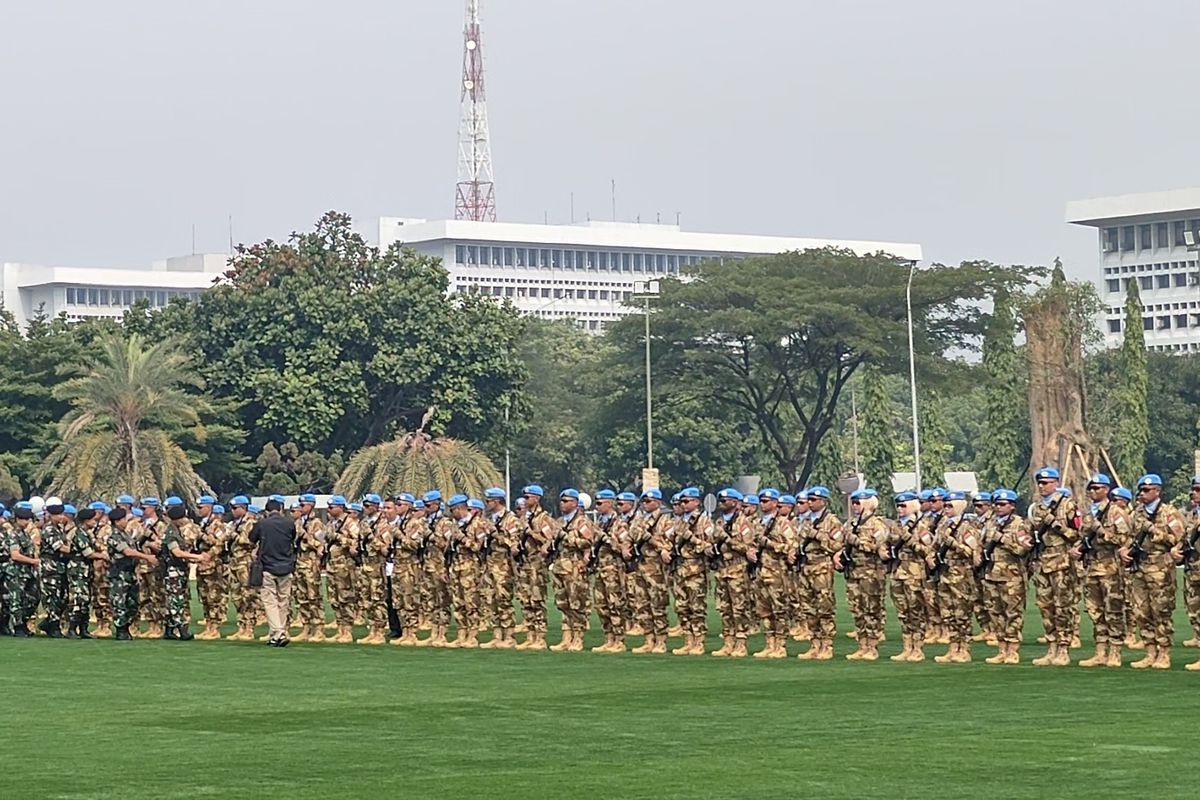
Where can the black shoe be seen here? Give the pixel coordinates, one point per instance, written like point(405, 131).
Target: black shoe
point(184, 634)
point(82, 628)
point(282, 641)
point(169, 633)
point(5, 630)
point(21, 632)
point(123, 634)
point(71, 634)
point(54, 630)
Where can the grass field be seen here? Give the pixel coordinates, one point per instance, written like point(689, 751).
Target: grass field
point(153, 719)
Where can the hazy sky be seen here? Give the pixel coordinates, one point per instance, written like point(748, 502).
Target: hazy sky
point(964, 126)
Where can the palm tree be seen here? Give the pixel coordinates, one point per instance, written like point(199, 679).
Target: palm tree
point(125, 406)
point(417, 462)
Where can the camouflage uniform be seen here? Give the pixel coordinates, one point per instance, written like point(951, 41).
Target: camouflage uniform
point(442, 532)
point(122, 580)
point(1054, 572)
point(983, 611)
point(247, 601)
point(6, 545)
point(1191, 576)
point(179, 535)
point(911, 543)
point(100, 602)
point(736, 535)
point(956, 545)
point(651, 536)
point(865, 541)
point(1010, 542)
point(341, 550)
point(79, 577)
point(150, 579)
point(54, 575)
point(408, 543)
point(774, 539)
point(306, 586)
point(609, 567)
point(531, 573)
point(1153, 583)
point(569, 573)
point(212, 576)
point(465, 568)
point(929, 526)
point(20, 580)
point(815, 558)
point(371, 581)
point(1106, 526)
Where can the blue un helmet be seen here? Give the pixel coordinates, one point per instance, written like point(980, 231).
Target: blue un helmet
point(241, 500)
point(652, 494)
point(533, 490)
point(1121, 493)
point(606, 494)
point(1004, 496)
point(457, 500)
point(495, 493)
point(818, 491)
point(627, 497)
point(690, 491)
point(475, 503)
point(1100, 479)
point(730, 493)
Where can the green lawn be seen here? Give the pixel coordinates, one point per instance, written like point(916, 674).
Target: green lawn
point(153, 719)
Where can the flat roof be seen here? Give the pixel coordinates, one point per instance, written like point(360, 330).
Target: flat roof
point(29, 276)
point(619, 234)
point(1099, 210)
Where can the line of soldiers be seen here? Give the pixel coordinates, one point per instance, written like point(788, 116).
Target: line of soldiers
point(405, 565)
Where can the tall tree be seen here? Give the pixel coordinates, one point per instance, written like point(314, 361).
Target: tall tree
point(416, 463)
point(935, 442)
point(877, 435)
point(1004, 443)
point(778, 337)
point(126, 408)
point(1132, 433)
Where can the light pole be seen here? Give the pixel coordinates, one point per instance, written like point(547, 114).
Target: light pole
point(912, 378)
point(646, 290)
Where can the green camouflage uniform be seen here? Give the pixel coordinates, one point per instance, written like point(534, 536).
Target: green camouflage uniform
point(122, 580)
point(180, 535)
point(54, 573)
point(79, 576)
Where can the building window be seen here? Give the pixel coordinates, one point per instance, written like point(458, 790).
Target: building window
point(603, 294)
point(1181, 320)
point(1164, 323)
point(92, 299)
point(1145, 282)
point(70, 295)
point(161, 299)
point(626, 262)
point(1114, 326)
point(1162, 281)
point(1114, 285)
point(1147, 323)
point(1127, 238)
point(460, 254)
point(1180, 227)
point(1110, 240)
point(1144, 234)
point(1160, 235)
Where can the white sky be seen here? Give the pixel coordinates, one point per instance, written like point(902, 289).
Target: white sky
point(963, 126)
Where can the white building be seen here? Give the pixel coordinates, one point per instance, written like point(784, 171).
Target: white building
point(581, 272)
point(1151, 238)
point(89, 292)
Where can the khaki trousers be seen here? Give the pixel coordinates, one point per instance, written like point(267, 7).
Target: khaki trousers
point(276, 598)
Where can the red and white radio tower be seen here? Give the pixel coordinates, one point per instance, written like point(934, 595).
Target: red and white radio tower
point(475, 196)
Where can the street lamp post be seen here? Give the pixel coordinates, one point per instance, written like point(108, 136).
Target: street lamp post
point(647, 290)
point(912, 379)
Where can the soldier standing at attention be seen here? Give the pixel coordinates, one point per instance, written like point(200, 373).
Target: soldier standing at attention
point(441, 530)
point(373, 548)
point(607, 560)
point(1053, 521)
point(801, 517)
point(955, 547)
point(931, 521)
point(1157, 528)
point(909, 544)
point(178, 539)
point(981, 512)
point(150, 583)
point(566, 557)
point(1105, 530)
point(498, 569)
point(863, 540)
point(98, 583)
point(79, 572)
point(653, 540)
point(212, 574)
point(124, 554)
point(733, 554)
point(1187, 557)
point(531, 564)
point(1006, 543)
point(407, 541)
point(247, 601)
point(627, 511)
point(6, 539)
point(695, 536)
point(21, 571)
point(55, 554)
point(341, 545)
point(306, 586)
point(772, 604)
point(461, 565)
point(815, 559)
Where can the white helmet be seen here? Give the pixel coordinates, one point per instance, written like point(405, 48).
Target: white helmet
point(54, 501)
point(38, 504)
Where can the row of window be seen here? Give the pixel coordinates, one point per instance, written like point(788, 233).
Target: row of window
point(1163, 322)
point(601, 295)
point(1177, 347)
point(558, 258)
point(1146, 307)
point(1158, 267)
point(1148, 282)
point(482, 277)
point(1149, 236)
point(90, 296)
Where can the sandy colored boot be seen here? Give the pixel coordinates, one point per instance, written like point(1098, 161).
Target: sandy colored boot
point(210, 632)
point(660, 646)
point(857, 654)
point(1043, 640)
point(507, 642)
point(103, 631)
point(870, 650)
point(998, 658)
point(917, 654)
point(905, 651)
point(1100, 658)
point(302, 636)
point(646, 646)
point(1048, 658)
point(674, 630)
point(963, 656)
point(470, 639)
point(1148, 660)
point(241, 634)
point(1193, 667)
point(539, 641)
point(618, 645)
point(852, 635)
point(684, 649)
point(801, 633)
point(948, 656)
point(1163, 661)
point(699, 648)
point(316, 634)
point(1062, 657)
point(979, 637)
point(725, 649)
point(494, 642)
point(563, 643)
point(824, 650)
point(576, 645)
point(606, 647)
point(1013, 656)
point(739, 648)
point(374, 637)
point(635, 630)
point(1133, 642)
point(1114, 655)
point(811, 653)
point(768, 648)
point(1192, 642)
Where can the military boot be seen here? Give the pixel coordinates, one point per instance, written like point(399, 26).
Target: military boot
point(374, 636)
point(81, 628)
point(1148, 660)
point(825, 651)
point(123, 634)
point(948, 656)
point(576, 645)
point(169, 633)
point(870, 650)
point(492, 643)
point(852, 635)
point(1163, 661)
point(1192, 642)
point(917, 654)
point(906, 651)
point(739, 648)
point(1099, 659)
point(963, 656)
point(1193, 667)
point(636, 630)
point(1062, 657)
point(240, 635)
point(1013, 654)
point(675, 630)
point(103, 631)
point(209, 633)
point(563, 643)
point(811, 653)
point(1133, 642)
point(660, 646)
point(725, 649)
point(1114, 655)
point(470, 639)
point(71, 633)
point(800, 633)
point(184, 633)
point(1047, 659)
point(857, 654)
point(539, 641)
point(768, 647)
point(345, 634)
point(316, 633)
point(646, 646)
point(155, 631)
point(506, 641)
point(302, 636)
point(1001, 653)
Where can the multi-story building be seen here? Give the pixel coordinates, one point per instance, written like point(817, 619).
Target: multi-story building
point(1153, 239)
point(581, 272)
point(105, 292)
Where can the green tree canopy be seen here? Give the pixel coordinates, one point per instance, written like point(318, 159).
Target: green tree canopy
point(416, 463)
point(1004, 441)
point(1132, 432)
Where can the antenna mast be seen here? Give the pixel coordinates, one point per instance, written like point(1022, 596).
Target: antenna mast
point(475, 195)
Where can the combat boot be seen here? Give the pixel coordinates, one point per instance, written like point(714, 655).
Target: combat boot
point(374, 637)
point(1133, 642)
point(646, 646)
point(1062, 657)
point(240, 635)
point(1013, 655)
point(1163, 661)
point(457, 641)
point(725, 649)
point(209, 633)
point(345, 634)
point(675, 630)
point(576, 645)
point(302, 636)
point(1048, 658)
point(1001, 652)
point(963, 656)
point(169, 633)
point(438, 637)
point(155, 631)
point(739, 648)
point(1193, 667)
point(81, 628)
point(103, 631)
point(948, 656)
point(316, 633)
point(539, 641)
point(618, 645)
point(824, 650)
point(870, 650)
point(563, 643)
point(635, 630)
point(184, 633)
point(857, 654)
point(494, 642)
point(521, 627)
point(508, 643)
point(917, 654)
point(1148, 660)
point(1114, 655)
point(1192, 642)
point(1100, 659)
point(768, 648)
point(906, 651)
point(123, 634)
point(1043, 639)
point(72, 633)
point(685, 648)
point(660, 646)
point(469, 640)
point(811, 653)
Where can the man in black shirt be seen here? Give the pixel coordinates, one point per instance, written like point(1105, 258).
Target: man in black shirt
point(275, 535)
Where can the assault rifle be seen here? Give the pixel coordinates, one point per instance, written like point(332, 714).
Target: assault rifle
point(754, 567)
point(940, 565)
point(593, 563)
point(989, 552)
point(360, 550)
point(848, 551)
point(485, 551)
point(555, 547)
point(451, 551)
point(1137, 550)
point(1087, 545)
point(1039, 533)
point(1189, 549)
point(637, 556)
point(522, 551)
